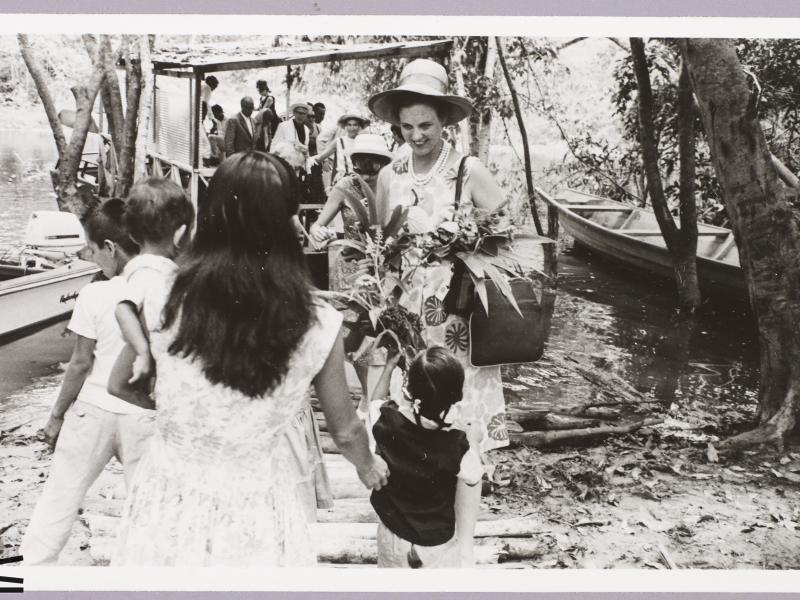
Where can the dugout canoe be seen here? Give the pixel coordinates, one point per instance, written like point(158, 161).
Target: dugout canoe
point(631, 236)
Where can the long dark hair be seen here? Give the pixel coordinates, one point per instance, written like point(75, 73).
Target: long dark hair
point(242, 298)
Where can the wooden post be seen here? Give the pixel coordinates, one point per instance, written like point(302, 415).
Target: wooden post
point(195, 158)
point(288, 90)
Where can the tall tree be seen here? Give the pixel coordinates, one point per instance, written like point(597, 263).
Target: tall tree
point(123, 116)
point(681, 242)
point(70, 194)
point(765, 223)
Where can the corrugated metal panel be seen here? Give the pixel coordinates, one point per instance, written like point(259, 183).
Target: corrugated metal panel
point(172, 130)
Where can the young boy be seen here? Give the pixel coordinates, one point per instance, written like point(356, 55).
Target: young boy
point(87, 425)
point(159, 217)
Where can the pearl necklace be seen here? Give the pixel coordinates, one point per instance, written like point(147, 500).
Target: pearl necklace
point(441, 161)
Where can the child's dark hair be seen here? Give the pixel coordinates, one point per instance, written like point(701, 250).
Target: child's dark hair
point(157, 207)
point(106, 221)
point(436, 379)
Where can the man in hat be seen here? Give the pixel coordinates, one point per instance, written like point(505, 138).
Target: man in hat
point(295, 130)
point(240, 132)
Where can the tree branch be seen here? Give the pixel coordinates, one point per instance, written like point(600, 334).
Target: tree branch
point(40, 81)
point(649, 146)
point(686, 148)
point(524, 134)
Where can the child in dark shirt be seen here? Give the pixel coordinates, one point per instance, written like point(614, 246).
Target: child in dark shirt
point(431, 464)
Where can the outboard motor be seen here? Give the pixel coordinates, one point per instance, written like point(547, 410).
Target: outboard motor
point(51, 238)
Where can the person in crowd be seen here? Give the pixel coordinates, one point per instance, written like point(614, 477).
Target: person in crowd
point(159, 217)
point(216, 136)
point(266, 101)
point(425, 180)
point(399, 147)
point(368, 156)
point(88, 426)
point(235, 357)
point(317, 187)
point(319, 113)
point(295, 130)
point(241, 133)
point(434, 466)
point(352, 124)
point(208, 86)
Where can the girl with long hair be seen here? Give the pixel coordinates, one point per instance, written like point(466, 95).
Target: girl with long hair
point(243, 339)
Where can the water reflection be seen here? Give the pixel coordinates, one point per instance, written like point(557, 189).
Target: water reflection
point(625, 324)
point(26, 158)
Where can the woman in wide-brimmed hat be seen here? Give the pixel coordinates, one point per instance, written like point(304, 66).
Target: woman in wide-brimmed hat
point(350, 125)
point(424, 179)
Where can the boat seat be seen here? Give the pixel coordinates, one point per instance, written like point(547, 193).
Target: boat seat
point(600, 208)
point(725, 247)
point(646, 232)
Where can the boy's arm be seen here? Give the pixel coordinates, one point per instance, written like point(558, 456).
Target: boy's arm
point(133, 332)
point(80, 364)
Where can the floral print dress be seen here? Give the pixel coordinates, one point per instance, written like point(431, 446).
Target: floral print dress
point(220, 482)
point(483, 402)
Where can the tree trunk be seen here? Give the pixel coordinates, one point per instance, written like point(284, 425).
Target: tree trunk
point(133, 89)
point(764, 224)
point(681, 243)
point(145, 105)
point(485, 125)
point(40, 81)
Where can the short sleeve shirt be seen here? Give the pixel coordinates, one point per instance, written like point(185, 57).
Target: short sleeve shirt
point(94, 318)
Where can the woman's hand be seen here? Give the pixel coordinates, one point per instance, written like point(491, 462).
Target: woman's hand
point(51, 430)
point(320, 236)
point(375, 475)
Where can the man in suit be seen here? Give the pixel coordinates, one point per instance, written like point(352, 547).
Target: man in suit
point(240, 132)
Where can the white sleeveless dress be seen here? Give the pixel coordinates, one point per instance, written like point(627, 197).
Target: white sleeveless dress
point(219, 483)
point(432, 204)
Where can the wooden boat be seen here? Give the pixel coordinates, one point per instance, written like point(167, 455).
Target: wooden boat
point(40, 282)
point(630, 235)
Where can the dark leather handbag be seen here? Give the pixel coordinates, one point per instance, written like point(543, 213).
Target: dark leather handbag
point(503, 337)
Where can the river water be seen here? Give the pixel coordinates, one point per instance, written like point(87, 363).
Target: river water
point(617, 322)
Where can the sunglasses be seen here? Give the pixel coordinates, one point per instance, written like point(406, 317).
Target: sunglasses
point(367, 166)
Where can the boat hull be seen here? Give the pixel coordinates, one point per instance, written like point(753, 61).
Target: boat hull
point(33, 301)
point(715, 276)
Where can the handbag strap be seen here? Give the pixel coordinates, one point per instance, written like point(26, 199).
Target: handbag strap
point(460, 180)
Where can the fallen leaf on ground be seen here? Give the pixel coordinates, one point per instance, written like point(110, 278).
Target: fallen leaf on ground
point(711, 453)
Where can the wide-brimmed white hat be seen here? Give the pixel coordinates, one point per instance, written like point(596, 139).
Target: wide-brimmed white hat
point(363, 121)
point(370, 143)
point(304, 105)
point(425, 79)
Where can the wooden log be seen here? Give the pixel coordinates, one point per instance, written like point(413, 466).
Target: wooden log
point(517, 528)
point(542, 439)
point(364, 551)
point(348, 510)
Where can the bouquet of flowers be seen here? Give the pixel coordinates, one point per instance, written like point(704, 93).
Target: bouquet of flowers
point(379, 284)
point(481, 242)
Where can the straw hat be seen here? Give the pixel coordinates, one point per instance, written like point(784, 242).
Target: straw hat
point(303, 105)
point(372, 144)
point(423, 78)
point(363, 122)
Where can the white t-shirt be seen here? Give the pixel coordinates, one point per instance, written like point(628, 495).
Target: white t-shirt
point(94, 318)
point(149, 280)
point(205, 93)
